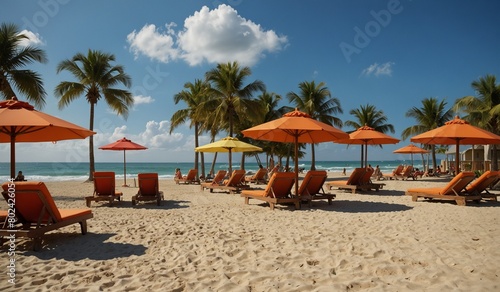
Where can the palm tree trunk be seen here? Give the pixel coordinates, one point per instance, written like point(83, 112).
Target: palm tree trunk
point(494, 158)
point(434, 162)
point(212, 168)
point(91, 145)
point(196, 154)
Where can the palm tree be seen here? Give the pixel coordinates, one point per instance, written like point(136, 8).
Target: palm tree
point(232, 99)
point(484, 110)
point(194, 95)
point(317, 101)
point(269, 102)
point(96, 78)
point(368, 115)
point(13, 57)
point(431, 115)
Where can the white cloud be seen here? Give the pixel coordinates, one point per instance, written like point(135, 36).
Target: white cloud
point(32, 39)
point(213, 36)
point(153, 43)
point(378, 70)
point(140, 99)
point(156, 135)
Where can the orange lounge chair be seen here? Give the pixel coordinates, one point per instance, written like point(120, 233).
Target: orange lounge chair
point(258, 177)
point(311, 187)
point(358, 180)
point(479, 186)
point(37, 213)
point(454, 190)
point(218, 180)
point(234, 184)
point(190, 178)
point(394, 175)
point(406, 173)
point(148, 189)
point(277, 191)
point(104, 188)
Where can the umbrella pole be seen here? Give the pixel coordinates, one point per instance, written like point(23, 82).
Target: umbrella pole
point(296, 165)
point(230, 163)
point(457, 158)
point(366, 154)
point(362, 154)
point(12, 155)
point(124, 169)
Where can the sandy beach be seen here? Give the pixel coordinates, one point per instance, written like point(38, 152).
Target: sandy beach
point(202, 241)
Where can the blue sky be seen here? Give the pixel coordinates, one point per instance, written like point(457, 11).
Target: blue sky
point(388, 53)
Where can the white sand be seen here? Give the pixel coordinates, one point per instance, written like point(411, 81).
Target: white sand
point(202, 241)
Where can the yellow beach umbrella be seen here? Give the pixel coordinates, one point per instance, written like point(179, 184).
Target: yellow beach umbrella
point(228, 144)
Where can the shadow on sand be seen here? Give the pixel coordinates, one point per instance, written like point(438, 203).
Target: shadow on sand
point(346, 206)
point(73, 247)
point(166, 205)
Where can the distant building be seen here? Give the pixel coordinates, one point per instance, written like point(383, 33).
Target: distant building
point(472, 157)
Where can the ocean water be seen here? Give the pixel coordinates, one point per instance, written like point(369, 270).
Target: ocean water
point(61, 171)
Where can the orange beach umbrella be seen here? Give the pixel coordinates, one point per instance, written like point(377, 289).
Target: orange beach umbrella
point(20, 122)
point(123, 144)
point(295, 127)
point(410, 149)
point(368, 136)
point(457, 132)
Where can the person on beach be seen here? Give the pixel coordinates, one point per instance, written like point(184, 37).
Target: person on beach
point(275, 169)
point(178, 174)
point(377, 174)
point(20, 176)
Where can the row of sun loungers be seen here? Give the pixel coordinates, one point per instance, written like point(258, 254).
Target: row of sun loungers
point(462, 188)
point(360, 179)
point(235, 183)
point(36, 212)
point(401, 172)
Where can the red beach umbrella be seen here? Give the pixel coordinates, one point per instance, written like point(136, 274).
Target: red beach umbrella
point(123, 144)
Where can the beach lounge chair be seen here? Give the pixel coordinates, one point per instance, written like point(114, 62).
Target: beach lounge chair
point(258, 177)
point(277, 191)
point(37, 213)
point(234, 184)
point(104, 188)
point(311, 187)
point(454, 190)
point(148, 189)
point(218, 180)
point(406, 173)
point(394, 175)
point(190, 178)
point(479, 186)
point(358, 180)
